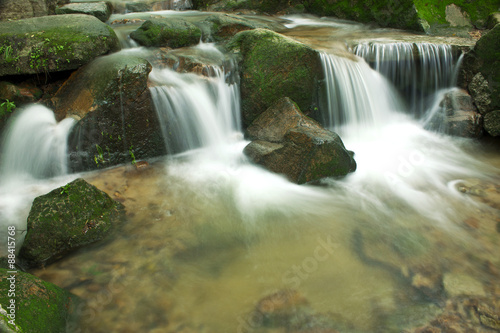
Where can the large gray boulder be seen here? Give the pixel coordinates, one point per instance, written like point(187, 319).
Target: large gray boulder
point(53, 43)
point(101, 10)
point(289, 143)
point(66, 219)
point(118, 122)
point(21, 9)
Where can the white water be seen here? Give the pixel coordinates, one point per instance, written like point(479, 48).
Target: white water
point(417, 69)
point(35, 145)
point(33, 149)
point(197, 111)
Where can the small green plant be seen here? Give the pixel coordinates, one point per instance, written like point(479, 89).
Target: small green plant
point(65, 189)
point(99, 158)
point(132, 156)
point(7, 107)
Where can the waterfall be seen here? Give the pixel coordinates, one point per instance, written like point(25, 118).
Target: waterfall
point(35, 145)
point(418, 70)
point(194, 110)
point(356, 95)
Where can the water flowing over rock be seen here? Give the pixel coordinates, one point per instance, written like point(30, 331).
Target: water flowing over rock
point(20, 9)
point(40, 306)
point(167, 32)
point(455, 114)
point(272, 67)
point(53, 43)
point(66, 219)
point(417, 70)
point(101, 10)
point(117, 118)
point(222, 26)
point(289, 143)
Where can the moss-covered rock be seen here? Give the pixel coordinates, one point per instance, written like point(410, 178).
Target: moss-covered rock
point(66, 219)
point(39, 306)
point(223, 26)
point(437, 12)
point(272, 67)
point(289, 143)
point(53, 43)
point(167, 32)
point(98, 9)
point(117, 122)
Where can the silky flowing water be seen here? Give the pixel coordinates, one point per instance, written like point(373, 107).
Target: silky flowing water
point(208, 234)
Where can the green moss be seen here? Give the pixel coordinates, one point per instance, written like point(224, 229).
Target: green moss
point(274, 67)
point(434, 11)
point(40, 306)
point(167, 32)
point(66, 219)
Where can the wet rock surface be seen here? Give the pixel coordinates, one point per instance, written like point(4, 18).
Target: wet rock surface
point(274, 66)
point(290, 143)
point(66, 219)
point(111, 99)
point(457, 116)
point(40, 306)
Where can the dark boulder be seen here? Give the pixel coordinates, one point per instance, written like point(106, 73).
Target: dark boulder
point(480, 72)
point(66, 219)
point(53, 43)
point(118, 123)
point(287, 142)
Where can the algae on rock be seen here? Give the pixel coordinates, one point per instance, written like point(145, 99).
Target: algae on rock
point(53, 43)
point(274, 66)
point(66, 219)
point(40, 306)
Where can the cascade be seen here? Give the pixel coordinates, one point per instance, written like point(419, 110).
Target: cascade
point(418, 70)
point(35, 145)
point(196, 111)
point(356, 95)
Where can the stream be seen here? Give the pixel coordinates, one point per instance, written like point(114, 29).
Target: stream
point(208, 235)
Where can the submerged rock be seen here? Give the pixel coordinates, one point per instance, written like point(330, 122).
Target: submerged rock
point(272, 67)
point(290, 143)
point(462, 285)
point(66, 219)
point(167, 32)
point(111, 98)
point(40, 306)
point(53, 43)
point(98, 9)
